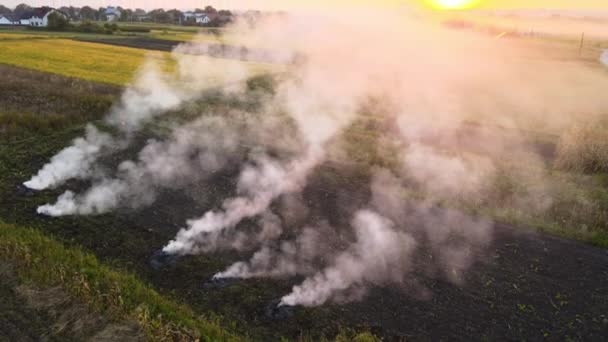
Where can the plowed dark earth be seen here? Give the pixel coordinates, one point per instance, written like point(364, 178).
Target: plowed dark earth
point(526, 286)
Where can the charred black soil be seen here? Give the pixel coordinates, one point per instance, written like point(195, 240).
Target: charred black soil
point(524, 286)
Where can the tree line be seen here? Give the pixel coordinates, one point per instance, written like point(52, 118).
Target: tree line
point(87, 13)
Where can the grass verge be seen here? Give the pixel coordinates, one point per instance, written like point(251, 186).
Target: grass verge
point(46, 262)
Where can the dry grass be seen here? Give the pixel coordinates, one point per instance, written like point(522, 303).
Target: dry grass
point(33, 102)
point(583, 148)
point(44, 261)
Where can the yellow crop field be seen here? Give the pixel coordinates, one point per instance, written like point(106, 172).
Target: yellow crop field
point(18, 36)
point(94, 61)
point(90, 61)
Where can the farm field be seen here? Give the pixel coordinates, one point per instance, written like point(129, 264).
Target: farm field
point(110, 64)
point(131, 248)
point(113, 65)
point(157, 31)
point(541, 276)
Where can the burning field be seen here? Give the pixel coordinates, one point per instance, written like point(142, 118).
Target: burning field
point(386, 177)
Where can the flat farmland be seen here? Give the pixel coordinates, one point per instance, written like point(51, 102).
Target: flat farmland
point(505, 206)
point(89, 61)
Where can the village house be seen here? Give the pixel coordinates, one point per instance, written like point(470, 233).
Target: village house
point(112, 14)
point(6, 20)
point(38, 17)
point(202, 18)
point(188, 15)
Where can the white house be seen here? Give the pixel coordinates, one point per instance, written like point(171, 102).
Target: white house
point(38, 17)
point(5, 20)
point(188, 14)
point(112, 14)
point(202, 18)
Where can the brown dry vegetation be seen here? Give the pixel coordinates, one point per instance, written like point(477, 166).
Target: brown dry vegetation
point(583, 148)
point(36, 102)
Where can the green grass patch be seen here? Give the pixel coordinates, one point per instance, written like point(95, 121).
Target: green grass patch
point(47, 262)
point(16, 124)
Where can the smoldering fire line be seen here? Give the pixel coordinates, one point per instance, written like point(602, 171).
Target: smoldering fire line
point(151, 94)
point(426, 80)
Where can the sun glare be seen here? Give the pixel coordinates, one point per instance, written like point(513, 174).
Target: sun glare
point(453, 4)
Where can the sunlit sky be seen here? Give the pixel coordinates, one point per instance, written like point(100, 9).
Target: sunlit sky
point(307, 4)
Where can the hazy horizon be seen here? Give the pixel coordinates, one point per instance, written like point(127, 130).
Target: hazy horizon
point(306, 5)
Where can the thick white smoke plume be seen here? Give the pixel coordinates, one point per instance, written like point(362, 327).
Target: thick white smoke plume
point(73, 162)
point(379, 255)
point(190, 155)
point(386, 239)
point(149, 95)
point(289, 259)
point(260, 185)
point(152, 93)
point(447, 110)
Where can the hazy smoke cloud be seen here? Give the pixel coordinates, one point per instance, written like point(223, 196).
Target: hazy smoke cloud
point(152, 93)
point(286, 259)
point(387, 239)
point(451, 113)
point(604, 57)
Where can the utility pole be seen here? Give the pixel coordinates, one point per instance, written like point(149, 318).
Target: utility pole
point(580, 49)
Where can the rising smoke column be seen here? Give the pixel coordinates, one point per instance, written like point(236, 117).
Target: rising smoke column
point(193, 152)
point(436, 80)
point(380, 255)
point(388, 237)
point(259, 185)
point(72, 162)
point(285, 258)
point(320, 112)
point(149, 96)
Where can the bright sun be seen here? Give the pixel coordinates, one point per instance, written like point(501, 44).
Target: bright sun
point(453, 4)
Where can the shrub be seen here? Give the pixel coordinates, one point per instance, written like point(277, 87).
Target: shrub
point(89, 27)
point(265, 83)
point(57, 22)
point(583, 148)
